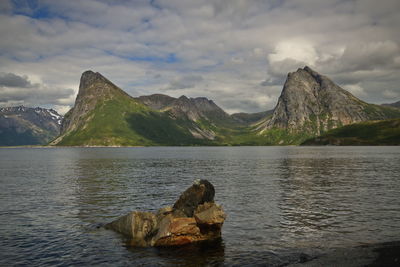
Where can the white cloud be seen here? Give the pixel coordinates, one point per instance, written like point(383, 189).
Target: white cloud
point(389, 94)
point(355, 89)
point(296, 49)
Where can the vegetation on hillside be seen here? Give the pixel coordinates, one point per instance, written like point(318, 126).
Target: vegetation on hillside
point(122, 121)
point(385, 132)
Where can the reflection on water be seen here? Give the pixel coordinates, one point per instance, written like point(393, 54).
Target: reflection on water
point(280, 201)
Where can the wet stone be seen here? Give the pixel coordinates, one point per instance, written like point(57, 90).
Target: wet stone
point(193, 218)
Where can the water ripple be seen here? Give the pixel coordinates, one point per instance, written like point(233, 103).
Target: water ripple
point(279, 200)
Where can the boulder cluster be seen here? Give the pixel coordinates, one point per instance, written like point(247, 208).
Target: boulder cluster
point(194, 217)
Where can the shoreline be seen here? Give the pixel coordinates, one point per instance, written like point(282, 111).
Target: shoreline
point(44, 146)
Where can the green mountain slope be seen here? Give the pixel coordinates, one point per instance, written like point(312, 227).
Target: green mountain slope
point(385, 132)
point(104, 115)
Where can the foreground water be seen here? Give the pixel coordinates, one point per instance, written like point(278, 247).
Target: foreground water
point(279, 201)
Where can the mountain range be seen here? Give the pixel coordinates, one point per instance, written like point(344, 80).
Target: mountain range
point(28, 126)
point(310, 105)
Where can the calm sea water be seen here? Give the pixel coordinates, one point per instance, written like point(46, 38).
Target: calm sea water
point(280, 201)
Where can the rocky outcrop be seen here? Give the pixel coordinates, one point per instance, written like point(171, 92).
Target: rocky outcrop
point(312, 103)
point(28, 126)
point(193, 218)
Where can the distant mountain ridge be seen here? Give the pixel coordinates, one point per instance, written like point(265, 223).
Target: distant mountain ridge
point(394, 105)
point(28, 126)
point(310, 104)
point(183, 107)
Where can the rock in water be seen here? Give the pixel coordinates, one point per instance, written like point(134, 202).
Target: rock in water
point(193, 218)
point(200, 192)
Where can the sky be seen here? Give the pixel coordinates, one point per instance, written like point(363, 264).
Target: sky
point(235, 52)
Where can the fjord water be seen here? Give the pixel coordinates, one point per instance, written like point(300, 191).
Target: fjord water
point(279, 201)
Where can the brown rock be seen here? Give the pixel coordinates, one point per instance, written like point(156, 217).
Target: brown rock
point(201, 191)
point(209, 213)
point(177, 231)
point(137, 225)
point(172, 226)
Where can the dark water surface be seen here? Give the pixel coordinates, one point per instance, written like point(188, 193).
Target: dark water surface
point(280, 201)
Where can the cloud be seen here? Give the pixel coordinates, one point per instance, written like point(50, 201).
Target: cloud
point(5, 7)
point(367, 56)
point(13, 80)
point(19, 90)
point(297, 50)
point(390, 94)
point(235, 52)
point(355, 89)
point(184, 82)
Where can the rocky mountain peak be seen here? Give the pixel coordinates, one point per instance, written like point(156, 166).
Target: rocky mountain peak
point(93, 88)
point(183, 98)
point(89, 77)
point(94, 82)
point(312, 102)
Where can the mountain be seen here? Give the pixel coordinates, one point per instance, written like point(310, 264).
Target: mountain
point(193, 109)
point(385, 132)
point(310, 104)
point(104, 115)
point(199, 108)
point(394, 105)
point(28, 126)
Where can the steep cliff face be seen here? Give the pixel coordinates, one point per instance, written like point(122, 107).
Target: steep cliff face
point(28, 126)
point(311, 102)
point(93, 88)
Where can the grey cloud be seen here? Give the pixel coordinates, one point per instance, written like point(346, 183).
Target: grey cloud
point(16, 89)
point(5, 7)
point(13, 80)
point(37, 96)
point(368, 56)
point(185, 82)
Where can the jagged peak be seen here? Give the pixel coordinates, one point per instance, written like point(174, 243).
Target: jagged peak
point(308, 69)
point(183, 97)
point(89, 77)
point(89, 74)
point(158, 95)
point(308, 72)
point(314, 74)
